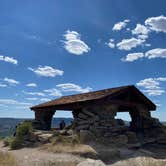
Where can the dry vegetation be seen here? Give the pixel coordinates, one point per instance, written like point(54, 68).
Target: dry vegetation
point(72, 145)
point(6, 159)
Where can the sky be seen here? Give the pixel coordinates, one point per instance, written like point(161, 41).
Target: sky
point(53, 48)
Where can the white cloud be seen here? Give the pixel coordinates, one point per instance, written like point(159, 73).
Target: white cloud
point(44, 99)
point(34, 93)
point(74, 44)
point(133, 56)
point(154, 92)
point(161, 79)
point(140, 30)
point(151, 54)
point(157, 24)
point(53, 92)
point(31, 85)
point(128, 44)
point(3, 85)
point(32, 98)
point(70, 87)
point(8, 59)
point(120, 25)
point(152, 86)
point(13, 102)
point(111, 43)
point(47, 71)
point(156, 53)
point(149, 83)
point(11, 81)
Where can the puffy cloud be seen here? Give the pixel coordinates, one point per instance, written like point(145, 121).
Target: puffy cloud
point(120, 25)
point(151, 54)
point(128, 44)
point(47, 71)
point(133, 56)
point(157, 24)
point(140, 30)
point(156, 53)
point(31, 85)
point(11, 81)
point(111, 43)
point(74, 44)
point(149, 83)
point(53, 92)
point(152, 86)
point(70, 87)
point(8, 59)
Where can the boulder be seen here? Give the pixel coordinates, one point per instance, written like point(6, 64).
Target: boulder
point(90, 162)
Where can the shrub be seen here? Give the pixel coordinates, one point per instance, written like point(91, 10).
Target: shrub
point(7, 141)
point(22, 133)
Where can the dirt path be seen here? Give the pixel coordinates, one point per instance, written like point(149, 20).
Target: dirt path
point(37, 157)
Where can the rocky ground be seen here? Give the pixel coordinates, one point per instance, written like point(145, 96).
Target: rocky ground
point(148, 156)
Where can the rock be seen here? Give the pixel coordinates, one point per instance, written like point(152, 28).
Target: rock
point(88, 113)
point(45, 138)
point(134, 145)
point(108, 154)
point(83, 116)
point(82, 127)
point(86, 136)
point(161, 139)
point(119, 140)
point(132, 138)
point(90, 162)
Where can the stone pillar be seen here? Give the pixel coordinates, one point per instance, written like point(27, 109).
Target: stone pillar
point(138, 116)
point(43, 119)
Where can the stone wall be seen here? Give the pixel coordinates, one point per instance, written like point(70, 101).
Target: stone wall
point(99, 120)
point(43, 119)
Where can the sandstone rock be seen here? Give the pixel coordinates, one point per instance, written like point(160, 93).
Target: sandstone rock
point(90, 162)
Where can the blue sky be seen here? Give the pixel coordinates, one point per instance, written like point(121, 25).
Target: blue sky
point(53, 48)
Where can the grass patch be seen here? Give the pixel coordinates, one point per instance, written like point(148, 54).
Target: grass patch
point(7, 159)
point(71, 145)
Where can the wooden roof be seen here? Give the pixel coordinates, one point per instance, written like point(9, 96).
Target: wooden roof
point(73, 101)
